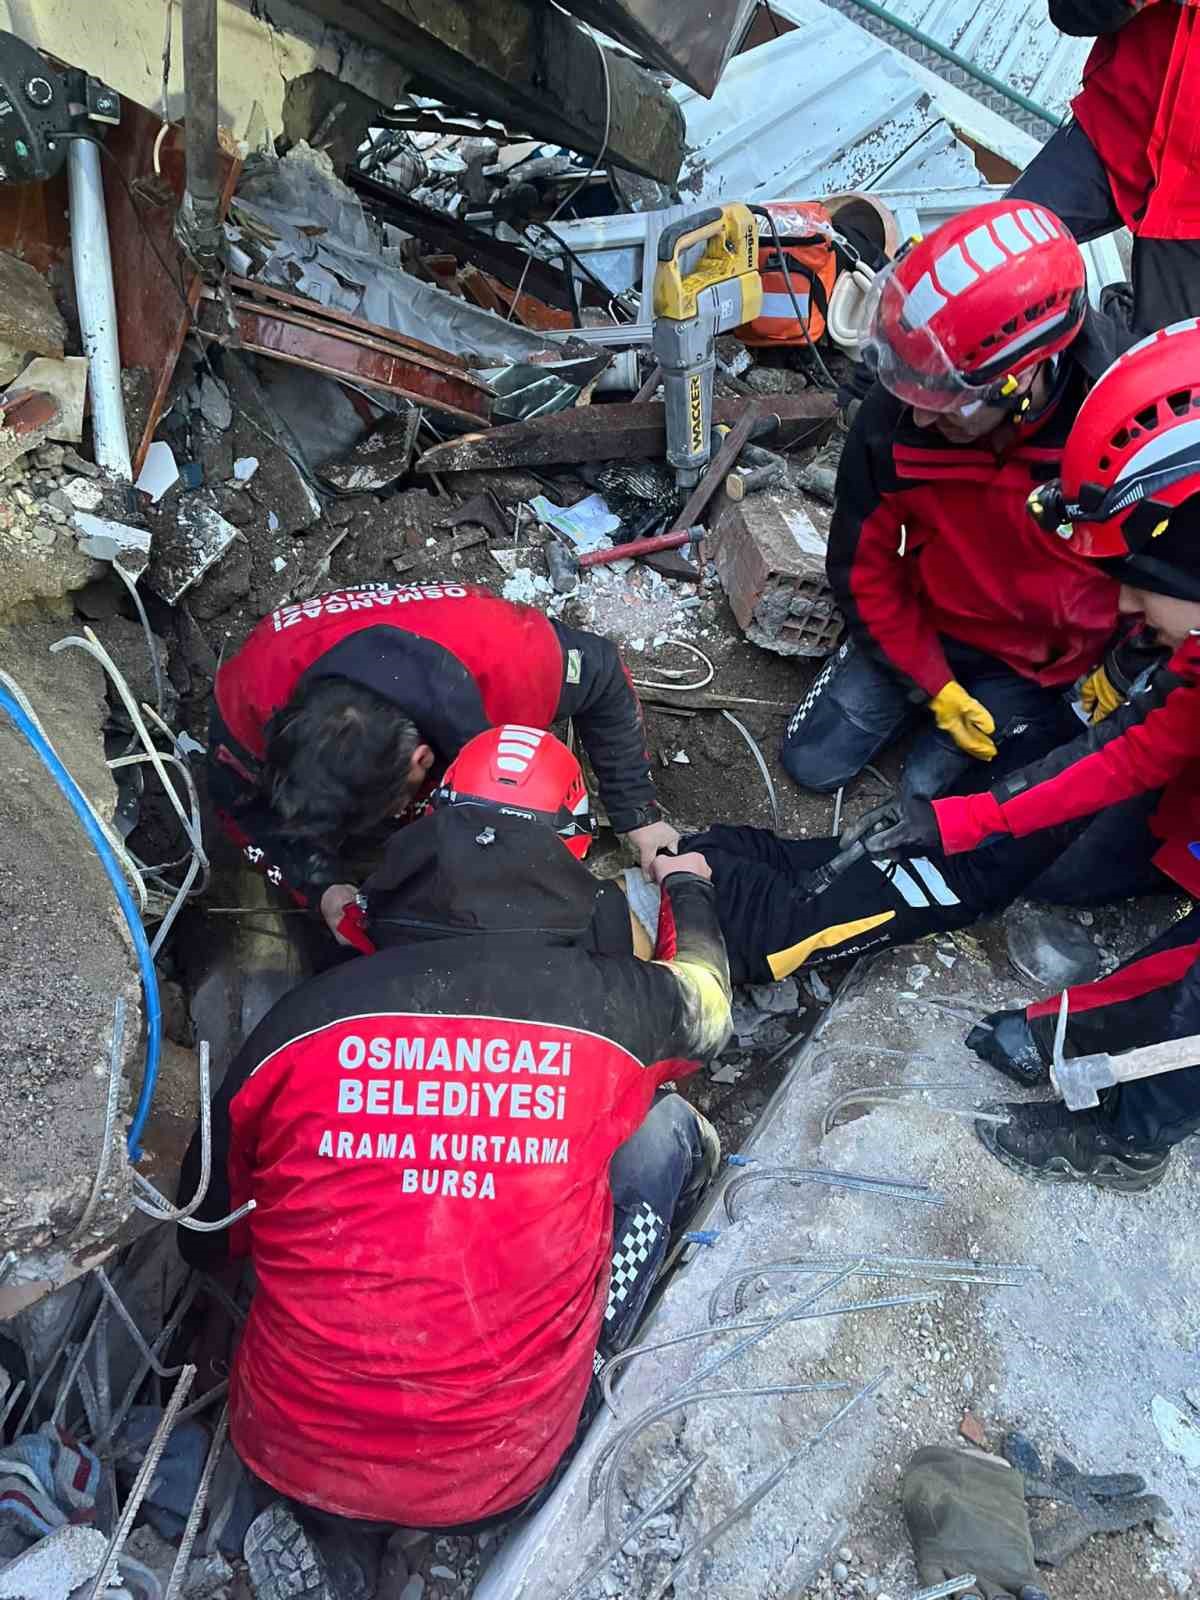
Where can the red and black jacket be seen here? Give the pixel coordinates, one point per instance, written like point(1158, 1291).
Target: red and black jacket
point(933, 540)
point(1151, 742)
point(456, 659)
point(426, 1134)
point(1139, 106)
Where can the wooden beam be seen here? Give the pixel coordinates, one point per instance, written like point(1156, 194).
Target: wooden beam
point(612, 433)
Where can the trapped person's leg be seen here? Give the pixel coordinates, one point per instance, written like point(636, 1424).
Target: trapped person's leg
point(854, 708)
point(773, 924)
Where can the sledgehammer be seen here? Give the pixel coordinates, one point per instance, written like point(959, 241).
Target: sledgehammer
point(1079, 1079)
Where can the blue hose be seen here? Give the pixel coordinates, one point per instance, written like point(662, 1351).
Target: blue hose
point(108, 860)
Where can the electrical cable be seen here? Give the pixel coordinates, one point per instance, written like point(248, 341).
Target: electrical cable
point(155, 667)
point(761, 211)
point(584, 181)
point(78, 803)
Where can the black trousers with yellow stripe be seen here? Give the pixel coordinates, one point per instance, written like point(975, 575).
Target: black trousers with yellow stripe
point(772, 926)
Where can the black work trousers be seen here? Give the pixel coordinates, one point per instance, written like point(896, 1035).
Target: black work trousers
point(773, 927)
point(1069, 178)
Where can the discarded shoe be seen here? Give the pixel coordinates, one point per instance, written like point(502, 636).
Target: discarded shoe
point(283, 1558)
point(1051, 1144)
point(1070, 1506)
point(965, 1512)
point(1005, 1041)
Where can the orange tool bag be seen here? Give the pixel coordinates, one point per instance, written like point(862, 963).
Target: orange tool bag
point(805, 231)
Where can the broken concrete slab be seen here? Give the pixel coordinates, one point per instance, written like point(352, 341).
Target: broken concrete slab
point(66, 957)
point(56, 1566)
point(30, 323)
point(39, 562)
point(771, 563)
point(635, 432)
point(200, 537)
point(66, 381)
point(532, 67)
point(26, 417)
point(106, 539)
point(379, 460)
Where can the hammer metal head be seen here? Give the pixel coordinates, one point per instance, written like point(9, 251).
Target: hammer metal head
point(1080, 1079)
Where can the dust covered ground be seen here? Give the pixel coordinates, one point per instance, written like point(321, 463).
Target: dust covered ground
point(1102, 1318)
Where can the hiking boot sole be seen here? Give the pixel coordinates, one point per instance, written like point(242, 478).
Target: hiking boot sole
point(1109, 1173)
point(283, 1560)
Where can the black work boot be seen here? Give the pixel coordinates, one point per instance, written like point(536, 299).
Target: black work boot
point(1052, 1144)
point(1005, 1041)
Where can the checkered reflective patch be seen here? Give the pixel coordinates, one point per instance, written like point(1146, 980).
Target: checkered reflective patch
point(630, 1256)
point(815, 688)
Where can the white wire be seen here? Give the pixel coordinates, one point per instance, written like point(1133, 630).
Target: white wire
point(583, 182)
point(93, 647)
point(680, 688)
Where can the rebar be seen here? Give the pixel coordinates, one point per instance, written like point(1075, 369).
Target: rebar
point(620, 1446)
point(635, 1350)
point(668, 1497)
point(192, 1526)
point(183, 1306)
point(116, 1053)
point(744, 1507)
point(871, 1267)
point(55, 1357)
point(193, 1409)
point(10, 1404)
point(132, 1329)
point(881, 1094)
point(142, 1482)
point(939, 1590)
point(849, 1046)
point(891, 1188)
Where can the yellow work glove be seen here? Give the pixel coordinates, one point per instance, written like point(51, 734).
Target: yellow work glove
point(1097, 695)
point(967, 721)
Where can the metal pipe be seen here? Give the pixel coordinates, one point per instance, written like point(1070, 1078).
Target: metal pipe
point(91, 259)
point(199, 219)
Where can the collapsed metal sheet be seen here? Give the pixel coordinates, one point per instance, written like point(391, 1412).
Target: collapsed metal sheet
point(819, 110)
point(1014, 40)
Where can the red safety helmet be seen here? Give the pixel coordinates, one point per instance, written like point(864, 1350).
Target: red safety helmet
point(522, 772)
point(1133, 453)
point(958, 316)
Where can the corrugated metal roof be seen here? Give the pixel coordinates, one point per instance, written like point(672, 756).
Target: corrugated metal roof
point(823, 108)
point(1012, 39)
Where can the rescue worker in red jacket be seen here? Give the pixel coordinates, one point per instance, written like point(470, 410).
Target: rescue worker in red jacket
point(335, 713)
point(463, 1182)
point(1122, 802)
point(961, 620)
point(1130, 155)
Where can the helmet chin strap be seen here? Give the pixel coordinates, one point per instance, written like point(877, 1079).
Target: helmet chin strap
point(1018, 408)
